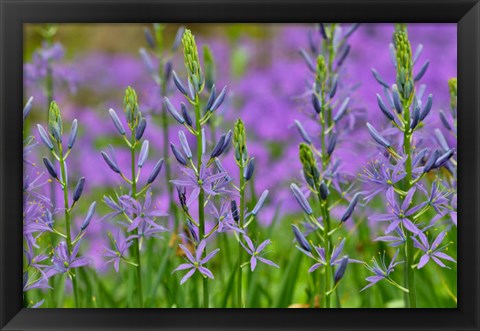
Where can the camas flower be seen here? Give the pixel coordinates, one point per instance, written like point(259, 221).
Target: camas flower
point(223, 216)
point(63, 261)
point(381, 176)
point(141, 213)
point(437, 197)
point(120, 246)
point(254, 252)
point(381, 270)
point(335, 258)
point(196, 262)
point(400, 214)
point(433, 251)
point(204, 180)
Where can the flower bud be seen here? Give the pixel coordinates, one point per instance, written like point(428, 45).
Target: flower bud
point(341, 111)
point(143, 154)
point(73, 134)
point(77, 193)
point(184, 143)
point(323, 191)
point(116, 121)
point(443, 159)
point(396, 99)
point(218, 149)
point(192, 62)
point(178, 83)
point(302, 132)
point(234, 210)
point(140, 130)
point(130, 106)
point(27, 108)
point(301, 199)
point(219, 100)
point(50, 168)
point(310, 168)
point(384, 108)
point(427, 108)
point(149, 38)
point(178, 155)
point(111, 163)
point(422, 71)
point(379, 79)
point(44, 137)
point(185, 115)
point(377, 136)
point(155, 171)
point(444, 121)
point(333, 89)
point(211, 98)
point(308, 60)
point(171, 109)
point(249, 169)
point(316, 103)
point(300, 238)
point(332, 142)
point(351, 207)
point(88, 218)
point(240, 142)
point(55, 125)
point(340, 271)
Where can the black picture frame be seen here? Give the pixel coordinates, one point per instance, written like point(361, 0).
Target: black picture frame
point(13, 13)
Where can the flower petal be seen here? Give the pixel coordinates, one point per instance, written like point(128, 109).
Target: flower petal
point(423, 260)
point(187, 276)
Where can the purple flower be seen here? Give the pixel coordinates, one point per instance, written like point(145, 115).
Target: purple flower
point(197, 182)
point(381, 270)
point(381, 175)
point(142, 213)
point(223, 217)
point(63, 261)
point(29, 284)
point(437, 197)
point(34, 260)
point(255, 252)
point(335, 258)
point(433, 251)
point(400, 214)
point(196, 262)
point(120, 246)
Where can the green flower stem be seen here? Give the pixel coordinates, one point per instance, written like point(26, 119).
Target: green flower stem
point(240, 224)
point(326, 221)
point(201, 196)
point(411, 299)
point(67, 221)
point(328, 267)
point(136, 243)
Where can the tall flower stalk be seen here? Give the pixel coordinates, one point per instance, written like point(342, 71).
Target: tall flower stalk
point(329, 59)
point(53, 140)
point(404, 171)
point(207, 178)
point(162, 77)
point(140, 219)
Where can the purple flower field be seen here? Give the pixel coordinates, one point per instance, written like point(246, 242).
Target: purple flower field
point(240, 166)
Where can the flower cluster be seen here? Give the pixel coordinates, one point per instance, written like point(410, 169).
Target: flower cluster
point(139, 218)
point(405, 162)
point(206, 181)
point(324, 181)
